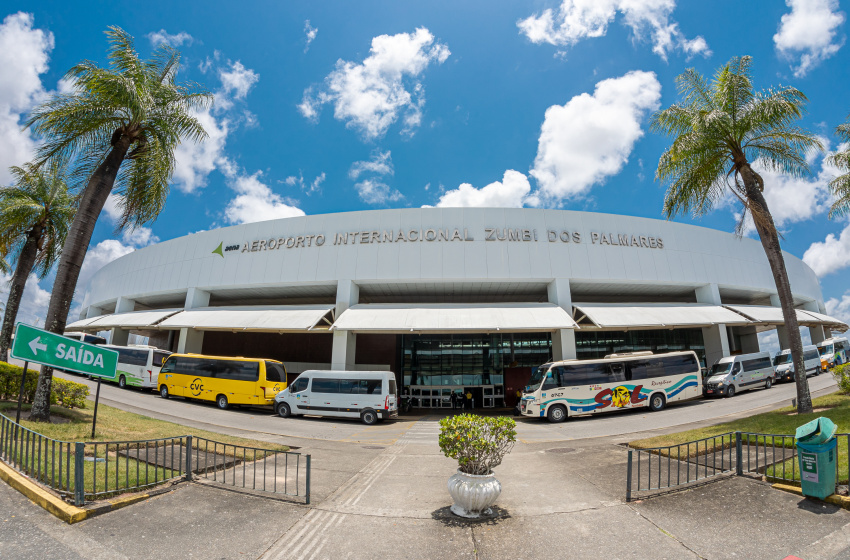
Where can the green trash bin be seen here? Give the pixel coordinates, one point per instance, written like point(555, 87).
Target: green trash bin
point(816, 453)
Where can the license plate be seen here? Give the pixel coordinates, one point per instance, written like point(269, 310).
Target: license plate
point(709, 391)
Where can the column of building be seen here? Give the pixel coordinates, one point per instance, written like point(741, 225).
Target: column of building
point(715, 337)
point(191, 340)
point(563, 340)
point(118, 335)
point(344, 342)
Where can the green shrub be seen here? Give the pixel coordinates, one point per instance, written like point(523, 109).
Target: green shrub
point(842, 378)
point(64, 393)
point(478, 443)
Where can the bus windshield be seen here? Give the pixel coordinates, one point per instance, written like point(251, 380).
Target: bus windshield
point(825, 350)
point(781, 359)
point(720, 369)
point(537, 375)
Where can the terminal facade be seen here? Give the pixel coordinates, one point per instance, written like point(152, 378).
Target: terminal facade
point(450, 298)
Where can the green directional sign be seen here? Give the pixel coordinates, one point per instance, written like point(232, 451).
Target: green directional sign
point(50, 349)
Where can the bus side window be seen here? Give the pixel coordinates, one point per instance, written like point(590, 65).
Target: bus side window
point(616, 373)
point(553, 380)
point(300, 384)
point(168, 365)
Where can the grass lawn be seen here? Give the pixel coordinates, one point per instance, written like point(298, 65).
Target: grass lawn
point(110, 469)
point(780, 422)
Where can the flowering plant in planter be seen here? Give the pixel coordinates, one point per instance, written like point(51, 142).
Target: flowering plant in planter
point(478, 443)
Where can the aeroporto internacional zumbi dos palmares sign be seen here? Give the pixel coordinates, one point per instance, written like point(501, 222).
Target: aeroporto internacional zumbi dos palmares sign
point(430, 235)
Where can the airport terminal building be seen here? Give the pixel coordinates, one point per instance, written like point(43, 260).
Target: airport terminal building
point(450, 298)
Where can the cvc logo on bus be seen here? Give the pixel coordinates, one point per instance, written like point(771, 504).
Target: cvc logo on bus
point(197, 386)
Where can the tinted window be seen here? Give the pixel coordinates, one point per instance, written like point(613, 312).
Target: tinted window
point(349, 386)
point(552, 379)
point(583, 374)
point(158, 358)
point(168, 365)
point(811, 355)
point(275, 372)
point(646, 369)
point(325, 385)
point(393, 390)
point(237, 370)
point(369, 387)
point(678, 365)
point(757, 363)
point(299, 385)
point(92, 339)
point(133, 357)
point(616, 372)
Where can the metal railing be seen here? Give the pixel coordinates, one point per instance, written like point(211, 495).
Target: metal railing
point(772, 456)
point(86, 471)
point(263, 470)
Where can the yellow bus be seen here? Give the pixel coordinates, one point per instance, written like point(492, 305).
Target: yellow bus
point(224, 379)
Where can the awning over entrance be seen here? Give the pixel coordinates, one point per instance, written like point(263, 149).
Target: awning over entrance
point(281, 318)
point(768, 315)
point(129, 320)
point(649, 316)
point(454, 317)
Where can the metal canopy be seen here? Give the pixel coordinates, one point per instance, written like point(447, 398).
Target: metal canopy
point(770, 315)
point(648, 316)
point(129, 320)
point(280, 318)
point(454, 317)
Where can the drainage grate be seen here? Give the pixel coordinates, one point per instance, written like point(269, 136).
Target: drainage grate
point(373, 447)
point(560, 450)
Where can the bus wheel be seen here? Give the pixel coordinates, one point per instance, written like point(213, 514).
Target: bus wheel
point(122, 382)
point(657, 402)
point(369, 417)
point(768, 383)
point(284, 411)
point(556, 413)
point(222, 403)
point(730, 392)
point(163, 392)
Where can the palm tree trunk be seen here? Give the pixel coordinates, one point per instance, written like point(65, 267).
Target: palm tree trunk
point(770, 242)
point(26, 260)
point(77, 243)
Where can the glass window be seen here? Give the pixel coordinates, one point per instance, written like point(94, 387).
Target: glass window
point(616, 372)
point(132, 356)
point(168, 365)
point(158, 358)
point(275, 372)
point(393, 390)
point(300, 384)
point(583, 374)
point(237, 370)
point(348, 386)
point(679, 365)
point(325, 385)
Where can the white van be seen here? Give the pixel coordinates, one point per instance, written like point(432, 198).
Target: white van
point(733, 374)
point(784, 366)
point(368, 395)
point(138, 366)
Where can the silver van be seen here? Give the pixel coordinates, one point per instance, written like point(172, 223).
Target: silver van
point(784, 366)
point(733, 374)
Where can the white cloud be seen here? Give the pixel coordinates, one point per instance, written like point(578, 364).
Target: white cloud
point(381, 163)
point(830, 255)
point(33, 307)
point(96, 258)
point(309, 187)
point(373, 191)
point(255, 201)
point(236, 82)
point(591, 137)
point(370, 96)
point(310, 33)
point(511, 192)
point(139, 237)
point(808, 35)
point(24, 53)
point(575, 20)
point(839, 308)
point(162, 36)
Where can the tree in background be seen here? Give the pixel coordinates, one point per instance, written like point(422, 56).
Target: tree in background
point(119, 127)
point(840, 186)
point(720, 129)
point(34, 217)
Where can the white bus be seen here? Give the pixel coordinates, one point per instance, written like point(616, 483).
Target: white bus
point(572, 387)
point(368, 395)
point(138, 366)
point(834, 352)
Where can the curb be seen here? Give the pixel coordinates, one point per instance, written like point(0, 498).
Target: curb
point(65, 511)
point(835, 499)
point(53, 504)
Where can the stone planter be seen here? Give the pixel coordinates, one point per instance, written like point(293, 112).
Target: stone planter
point(473, 494)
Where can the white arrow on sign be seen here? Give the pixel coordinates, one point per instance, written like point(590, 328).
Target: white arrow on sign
point(35, 346)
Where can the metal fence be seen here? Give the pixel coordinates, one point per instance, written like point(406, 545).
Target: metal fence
point(86, 471)
point(772, 456)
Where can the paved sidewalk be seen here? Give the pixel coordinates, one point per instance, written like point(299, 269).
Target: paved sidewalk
point(560, 500)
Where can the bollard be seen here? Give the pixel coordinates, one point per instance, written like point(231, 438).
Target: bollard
point(307, 491)
point(739, 464)
point(629, 478)
point(79, 474)
point(188, 448)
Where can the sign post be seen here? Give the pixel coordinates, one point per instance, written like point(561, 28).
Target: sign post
point(21, 392)
point(50, 349)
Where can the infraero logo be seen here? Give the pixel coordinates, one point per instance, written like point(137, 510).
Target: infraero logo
point(197, 387)
point(217, 250)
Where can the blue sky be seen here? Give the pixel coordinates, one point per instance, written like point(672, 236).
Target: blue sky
point(335, 106)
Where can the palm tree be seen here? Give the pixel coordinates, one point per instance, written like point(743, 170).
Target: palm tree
point(840, 186)
point(720, 129)
point(34, 219)
point(120, 126)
